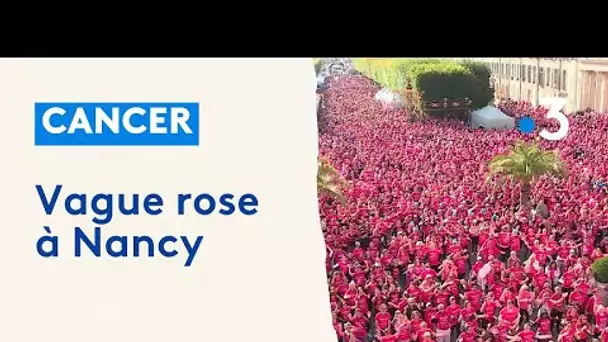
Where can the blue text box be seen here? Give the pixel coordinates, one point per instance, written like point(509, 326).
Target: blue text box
point(116, 124)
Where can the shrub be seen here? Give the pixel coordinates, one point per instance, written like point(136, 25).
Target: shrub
point(484, 93)
point(441, 80)
point(435, 78)
point(600, 270)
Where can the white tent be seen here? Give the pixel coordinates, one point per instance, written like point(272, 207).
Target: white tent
point(389, 98)
point(491, 117)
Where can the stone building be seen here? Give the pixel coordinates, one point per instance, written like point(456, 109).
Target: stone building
point(582, 81)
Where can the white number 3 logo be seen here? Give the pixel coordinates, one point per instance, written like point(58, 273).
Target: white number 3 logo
point(555, 105)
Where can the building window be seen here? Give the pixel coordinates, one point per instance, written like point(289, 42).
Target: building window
point(564, 80)
point(541, 76)
point(529, 74)
point(508, 71)
point(518, 76)
point(534, 75)
point(556, 79)
point(523, 73)
point(548, 77)
point(502, 69)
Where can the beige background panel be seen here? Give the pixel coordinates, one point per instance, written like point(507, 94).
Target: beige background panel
point(259, 278)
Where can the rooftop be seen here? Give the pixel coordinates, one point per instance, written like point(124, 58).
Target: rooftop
point(603, 61)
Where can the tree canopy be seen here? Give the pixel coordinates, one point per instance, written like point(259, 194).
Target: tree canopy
point(435, 79)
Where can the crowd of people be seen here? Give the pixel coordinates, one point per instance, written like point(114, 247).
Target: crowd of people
point(427, 250)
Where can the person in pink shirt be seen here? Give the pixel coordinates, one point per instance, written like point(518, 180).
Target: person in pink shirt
point(557, 303)
point(567, 333)
point(544, 323)
point(469, 316)
point(601, 319)
point(525, 335)
point(468, 335)
point(423, 332)
point(553, 273)
point(474, 297)
point(510, 315)
point(434, 256)
point(604, 335)
point(477, 265)
point(443, 324)
point(453, 310)
point(383, 320)
point(504, 240)
point(404, 333)
point(447, 269)
point(489, 308)
point(427, 288)
point(387, 338)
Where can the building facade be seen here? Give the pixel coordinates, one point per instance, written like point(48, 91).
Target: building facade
point(582, 81)
point(593, 89)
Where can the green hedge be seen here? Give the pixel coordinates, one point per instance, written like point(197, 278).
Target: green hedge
point(484, 92)
point(436, 78)
point(599, 269)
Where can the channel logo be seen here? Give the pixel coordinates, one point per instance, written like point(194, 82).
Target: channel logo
point(555, 105)
point(116, 124)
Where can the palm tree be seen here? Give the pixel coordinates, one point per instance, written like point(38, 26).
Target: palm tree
point(330, 181)
point(524, 163)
